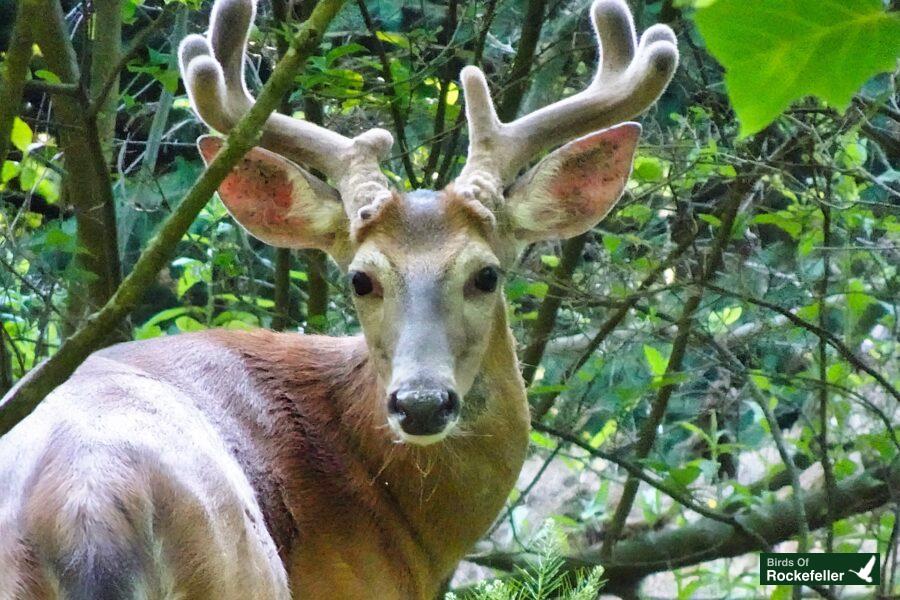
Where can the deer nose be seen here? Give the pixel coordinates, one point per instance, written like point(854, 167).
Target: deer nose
point(424, 411)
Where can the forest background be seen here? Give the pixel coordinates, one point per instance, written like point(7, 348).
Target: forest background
point(712, 371)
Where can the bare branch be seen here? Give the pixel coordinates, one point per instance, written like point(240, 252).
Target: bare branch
point(541, 408)
point(445, 37)
point(707, 539)
point(636, 471)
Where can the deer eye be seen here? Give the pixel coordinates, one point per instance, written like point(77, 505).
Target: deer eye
point(362, 283)
point(486, 279)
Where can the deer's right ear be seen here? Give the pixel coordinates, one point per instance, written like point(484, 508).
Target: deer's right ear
point(280, 203)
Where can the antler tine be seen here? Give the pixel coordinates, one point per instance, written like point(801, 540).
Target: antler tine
point(629, 78)
point(213, 71)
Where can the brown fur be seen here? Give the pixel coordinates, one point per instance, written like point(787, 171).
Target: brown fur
point(458, 213)
point(351, 513)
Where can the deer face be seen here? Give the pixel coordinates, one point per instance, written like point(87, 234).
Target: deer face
point(426, 279)
point(426, 267)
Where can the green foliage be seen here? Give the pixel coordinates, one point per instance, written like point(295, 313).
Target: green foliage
point(545, 579)
point(777, 51)
point(713, 444)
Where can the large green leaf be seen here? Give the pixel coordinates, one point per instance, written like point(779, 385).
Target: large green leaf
point(776, 51)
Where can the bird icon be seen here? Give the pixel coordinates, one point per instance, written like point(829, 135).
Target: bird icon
point(866, 572)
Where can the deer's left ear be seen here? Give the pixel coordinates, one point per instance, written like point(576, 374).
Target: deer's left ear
point(573, 188)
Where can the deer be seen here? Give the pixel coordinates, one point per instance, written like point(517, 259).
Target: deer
point(234, 464)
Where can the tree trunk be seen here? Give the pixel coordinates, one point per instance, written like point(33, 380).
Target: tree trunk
point(86, 183)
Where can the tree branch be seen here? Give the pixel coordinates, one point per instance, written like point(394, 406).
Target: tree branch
point(15, 70)
point(478, 52)
point(138, 43)
point(6, 376)
point(445, 37)
point(106, 49)
point(636, 471)
point(518, 81)
point(16, 405)
point(546, 403)
point(827, 469)
point(546, 317)
point(647, 436)
point(166, 99)
point(86, 183)
point(832, 339)
point(394, 105)
point(707, 539)
point(47, 87)
point(792, 470)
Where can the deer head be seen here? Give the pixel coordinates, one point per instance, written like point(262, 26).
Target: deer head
point(426, 267)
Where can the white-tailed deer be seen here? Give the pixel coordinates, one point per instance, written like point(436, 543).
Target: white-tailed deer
point(239, 465)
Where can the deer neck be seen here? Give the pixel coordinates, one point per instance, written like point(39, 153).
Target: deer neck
point(450, 492)
point(418, 509)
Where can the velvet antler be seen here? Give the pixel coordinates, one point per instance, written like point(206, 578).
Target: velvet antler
point(630, 77)
point(213, 71)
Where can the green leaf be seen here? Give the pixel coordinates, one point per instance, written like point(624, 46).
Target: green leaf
point(728, 171)
point(397, 39)
point(145, 332)
point(720, 320)
point(761, 381)
point(169, 313)
point(550, 260)
point(690, 589)
point(838, 372)
point(129, 10)
point(48, 76)
point(608, 429)
point(21, 135)
point(188, 324)
point(857, 298)
point(10, 170)
point(810, 312)
point(711, 219)
point(685, 476)
point(611, 242)
point(638, 212)
point(782, 220)
point(777, 51)
point(648, 169)
point(698, 432)
point(539, 439)
point(342, 50)
point(515, 289)
point(782, 592)
point(538, 289)
point(844, 468)
point(853, 155)
point(655, 360)
point(57, 238)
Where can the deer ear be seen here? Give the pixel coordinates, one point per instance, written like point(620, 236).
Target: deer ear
point(279, 202)
point(573, 188)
